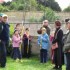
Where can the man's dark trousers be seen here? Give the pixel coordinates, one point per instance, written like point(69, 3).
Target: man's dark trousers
point(2, 54)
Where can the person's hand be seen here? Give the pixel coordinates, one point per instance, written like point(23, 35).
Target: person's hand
point(68, 50)
point(0, 41)
point(40, 46)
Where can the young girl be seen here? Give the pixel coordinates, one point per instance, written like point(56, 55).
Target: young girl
point(20, 28)
point(51, 39)
point(27, 43)
point(43, 42)
point(16, 40)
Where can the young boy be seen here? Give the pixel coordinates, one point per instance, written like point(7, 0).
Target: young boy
point(4, 39)
point(43, 42)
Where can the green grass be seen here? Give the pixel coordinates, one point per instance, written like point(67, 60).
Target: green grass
point(28, 64)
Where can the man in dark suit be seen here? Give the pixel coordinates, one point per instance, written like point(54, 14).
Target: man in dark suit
point(4, 38)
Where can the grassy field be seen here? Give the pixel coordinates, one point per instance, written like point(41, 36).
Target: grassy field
point(28, 64)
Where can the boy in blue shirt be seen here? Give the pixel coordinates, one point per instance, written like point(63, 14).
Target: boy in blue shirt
point(43, 42)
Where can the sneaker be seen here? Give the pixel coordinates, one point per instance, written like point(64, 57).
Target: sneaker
point(17, 60)
point(55, 67)
point(3, 66)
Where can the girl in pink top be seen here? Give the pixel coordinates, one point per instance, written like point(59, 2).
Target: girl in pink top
point(16, 40)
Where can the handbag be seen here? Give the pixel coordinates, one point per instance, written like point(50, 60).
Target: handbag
point(55, 46)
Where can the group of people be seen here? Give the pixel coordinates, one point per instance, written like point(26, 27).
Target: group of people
point(18, 39)
point(60, 43)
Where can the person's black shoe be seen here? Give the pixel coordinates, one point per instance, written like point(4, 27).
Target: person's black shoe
point(56, 67)
point(3, 66)
point(60, 68)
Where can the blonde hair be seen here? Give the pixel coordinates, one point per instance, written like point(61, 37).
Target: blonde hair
point(43, 28)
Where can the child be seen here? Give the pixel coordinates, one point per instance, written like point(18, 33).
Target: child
point(17, 27)
point(27, 43)
point(16, 40)
point(20, 28)
point(43, 42)
point(51, 39)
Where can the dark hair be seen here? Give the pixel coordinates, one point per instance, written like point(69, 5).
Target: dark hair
point(17, 24)
point(66, 20)
point(27, 29)
point(57, 23)
point(15, 31)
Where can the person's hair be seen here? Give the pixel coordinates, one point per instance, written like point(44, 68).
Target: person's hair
point(17, 24)
point(57, 23)
point(15, 31)
point(66, 20)
point(43, 28)
point(27, 29)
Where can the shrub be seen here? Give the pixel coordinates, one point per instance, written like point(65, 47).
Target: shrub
point(20, 7)
point(11, 29)
point(49, 14)
point(67, 9)
point(33, 19)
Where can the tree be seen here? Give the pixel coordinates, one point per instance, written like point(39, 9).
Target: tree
point(3, 9)
point(50, 3)
point(13, 6)
point(49, 15)
point(27, 4)
point(6, 3)
point(67, 9)
point(20, 7)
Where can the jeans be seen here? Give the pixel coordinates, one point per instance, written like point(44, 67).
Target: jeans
point(68, 60)
point(16, 53)
point(43, 55)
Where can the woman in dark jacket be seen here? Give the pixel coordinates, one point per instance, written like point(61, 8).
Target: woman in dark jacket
point(27, 43)
point(58, 54)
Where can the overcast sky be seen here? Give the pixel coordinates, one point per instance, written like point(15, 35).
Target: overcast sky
point(62, 3)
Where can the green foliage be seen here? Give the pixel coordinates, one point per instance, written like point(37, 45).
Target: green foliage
point(13, 6)
point(11, 29)
point(33, 19)
point(67, 9)
point(26, 4)
point(20, 7)
point(3, 9)
point(50, 3)
point(31, 5)
point(49, 14)
point(40, 7)
point(6, 3)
